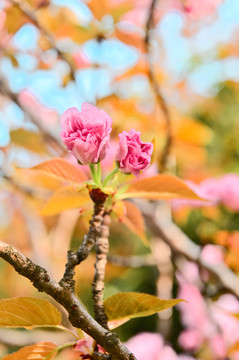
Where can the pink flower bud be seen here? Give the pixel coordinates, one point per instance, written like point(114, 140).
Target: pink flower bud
point(133, 154)
point(87, 133)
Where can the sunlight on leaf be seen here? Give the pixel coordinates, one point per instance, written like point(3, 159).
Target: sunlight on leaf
point(62, 169)
point(65, 198)
point(159, 187)
point(28, 312)
point(130, 215)
point(39, 351)
point(133, 305)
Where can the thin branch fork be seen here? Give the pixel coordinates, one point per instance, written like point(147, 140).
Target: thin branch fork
point(158, 94)
point(78, 315)
point(75, 258)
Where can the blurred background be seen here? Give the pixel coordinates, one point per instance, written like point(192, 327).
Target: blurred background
point(167, 68)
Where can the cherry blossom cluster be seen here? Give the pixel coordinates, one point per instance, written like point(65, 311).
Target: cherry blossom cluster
point(86, 134)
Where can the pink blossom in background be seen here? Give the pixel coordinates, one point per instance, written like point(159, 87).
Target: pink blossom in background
point(81, 60)
point(229, 189)
point(194, 312)
point(30, 102)
point(224, 190)
point(191, 339)
point(87, 133)
point(212, 254)
point(208, 189)
point(199, 9)
point(222, 312)
point(145, 345)
point(151, 346)
point(133, 154)
point(192, 9)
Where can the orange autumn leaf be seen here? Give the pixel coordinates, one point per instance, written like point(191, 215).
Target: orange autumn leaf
point(39, 351)
point(159, 187)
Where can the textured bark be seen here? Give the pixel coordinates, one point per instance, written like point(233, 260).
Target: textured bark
point(78, 315)
point(102, 248)
point(75, 258)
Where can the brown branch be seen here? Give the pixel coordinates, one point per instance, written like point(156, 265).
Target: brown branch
point(75, 258)
point(134, 261)
point(28, 11)
point(78, 315)
point(102, 248)
point(158, 94)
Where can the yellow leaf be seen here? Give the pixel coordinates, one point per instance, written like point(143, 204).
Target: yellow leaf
point(133, 219)
point(133, 305)
point(62, 169)
point(65, 198)
point(28, 312)
point(159, 187)
point(39, 351)
point(29, 140)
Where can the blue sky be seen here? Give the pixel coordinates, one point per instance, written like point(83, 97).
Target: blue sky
point(116, 56)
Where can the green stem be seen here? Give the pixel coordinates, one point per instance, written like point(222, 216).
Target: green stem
point(96, 173)
point(110, 176)
point(99, 173)
point(59, 348)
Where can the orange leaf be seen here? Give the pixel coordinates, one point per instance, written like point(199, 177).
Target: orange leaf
point(133, 219)
point(65, 198)
point(159, 187)
point(37, 351)
point(62, 169)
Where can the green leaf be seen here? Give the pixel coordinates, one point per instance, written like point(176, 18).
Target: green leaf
point(39, 351)
point(28, 312)
point(133, 305)
point(159, 187)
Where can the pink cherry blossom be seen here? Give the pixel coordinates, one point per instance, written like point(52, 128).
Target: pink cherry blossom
point(87, 133)
point(133, 154)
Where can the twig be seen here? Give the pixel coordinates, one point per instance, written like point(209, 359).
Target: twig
point(102, 248)
point(75, 258)
point(28, 11)
point(134, 261)
point(161, 101)
point(78, 315)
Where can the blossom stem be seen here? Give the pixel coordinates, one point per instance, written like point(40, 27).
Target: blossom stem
point(98, 173)
point(110, 176)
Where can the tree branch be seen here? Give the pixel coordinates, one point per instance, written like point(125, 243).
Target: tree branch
point(134, 261)
point(78, 315)
point(75, 258)
point(102, 248)
point(158, 94)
